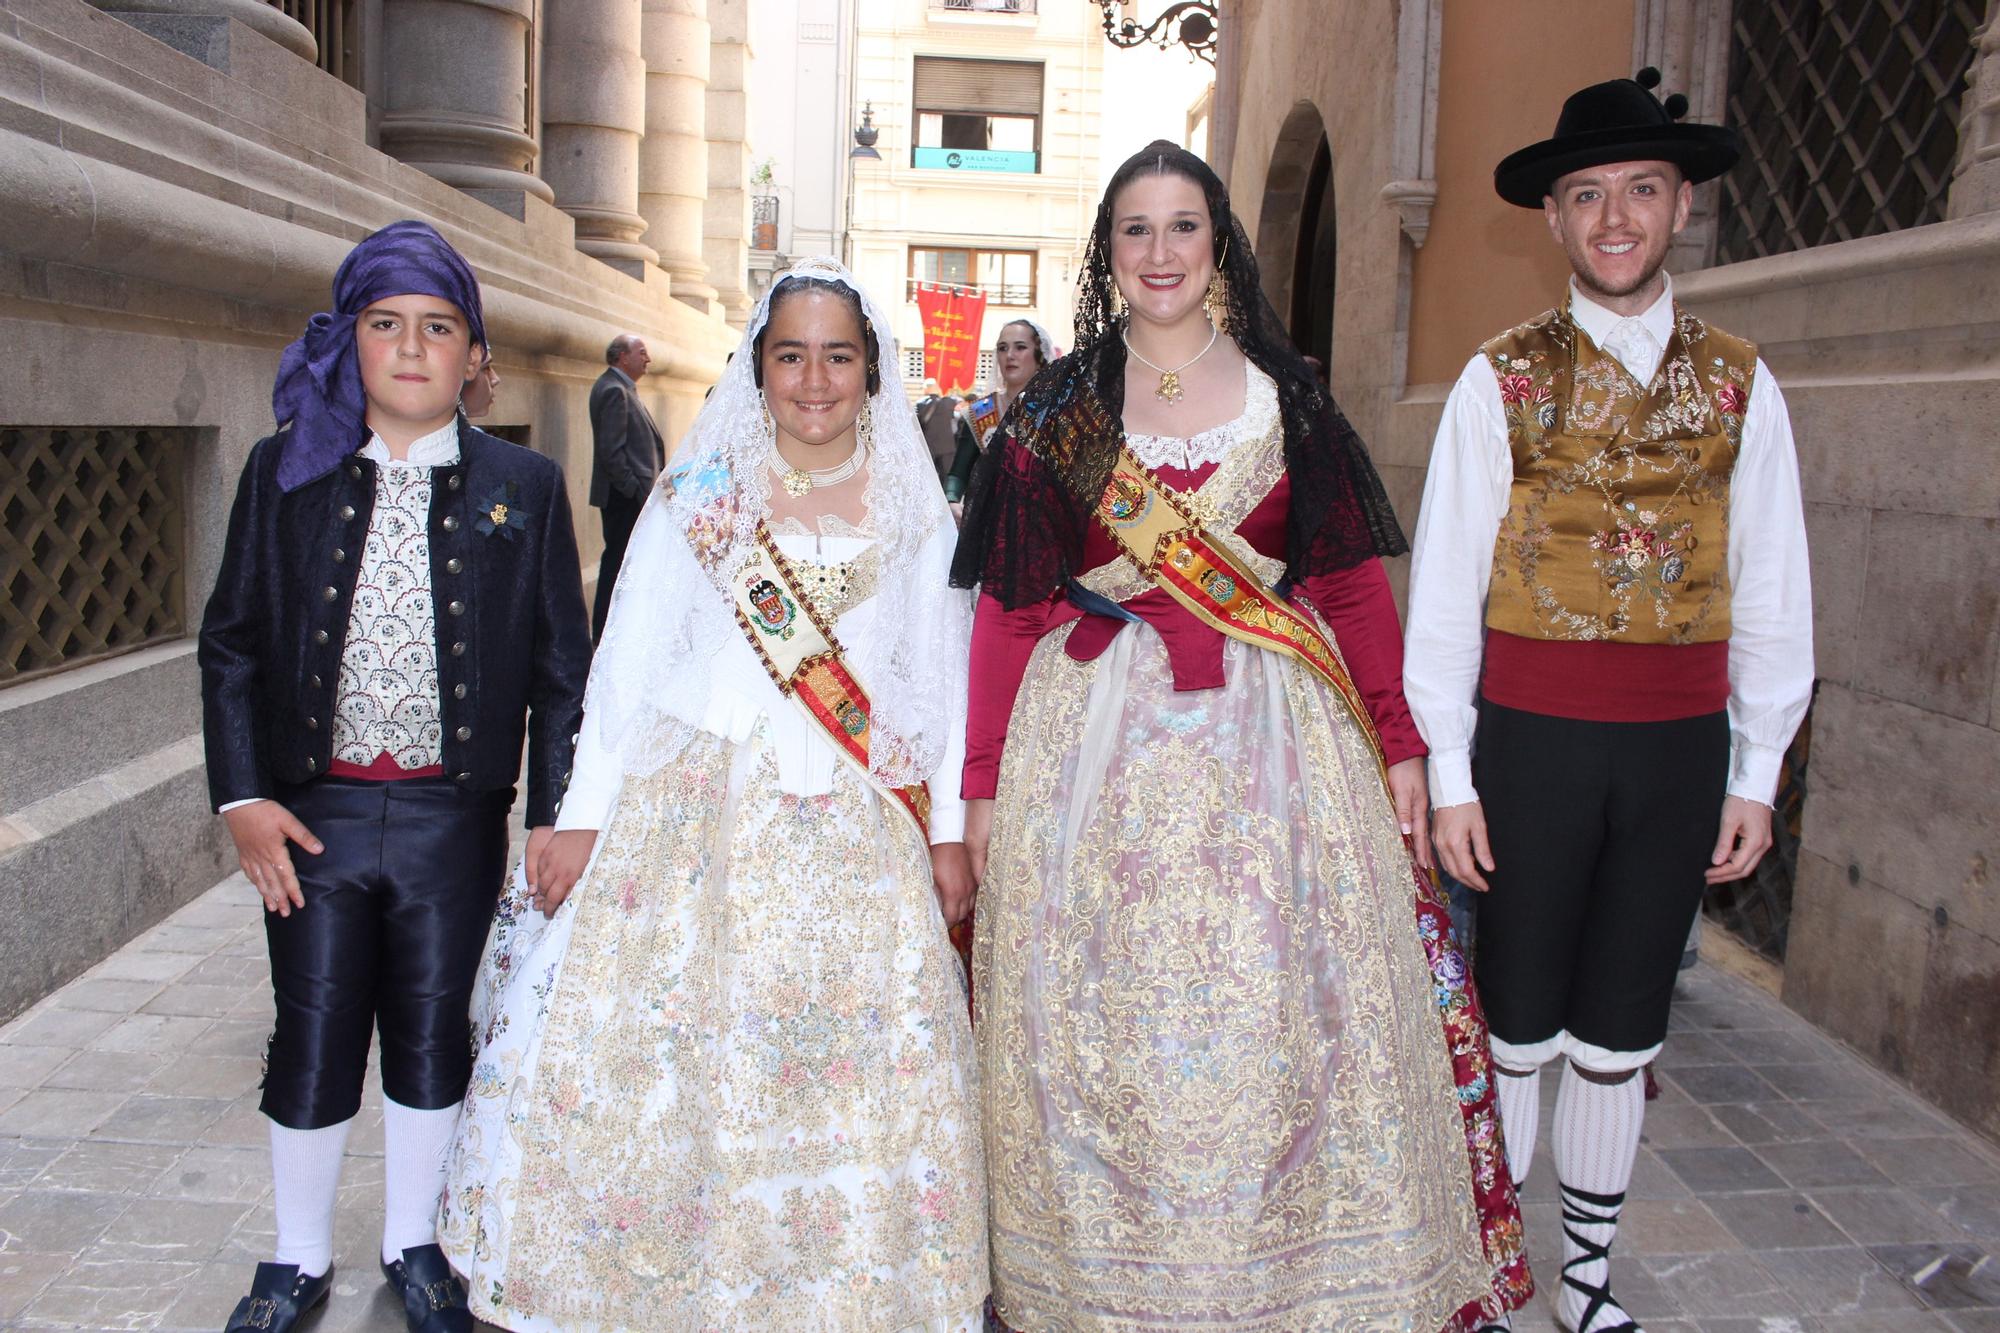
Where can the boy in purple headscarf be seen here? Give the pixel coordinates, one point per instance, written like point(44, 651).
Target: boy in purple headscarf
point(399, 607)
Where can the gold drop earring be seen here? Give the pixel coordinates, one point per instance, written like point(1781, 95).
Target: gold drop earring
point(1216, 300)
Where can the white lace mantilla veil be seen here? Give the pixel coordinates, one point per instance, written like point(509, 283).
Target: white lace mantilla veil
point(671, 615)
point(1042, 339)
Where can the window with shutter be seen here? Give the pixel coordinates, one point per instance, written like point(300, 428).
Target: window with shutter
point(977, 115)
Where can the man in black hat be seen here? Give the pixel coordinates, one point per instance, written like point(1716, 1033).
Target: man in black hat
point(1610, 644)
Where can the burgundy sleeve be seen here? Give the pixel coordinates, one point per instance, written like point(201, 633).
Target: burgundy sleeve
point(1002, 642)
point(1361, 612)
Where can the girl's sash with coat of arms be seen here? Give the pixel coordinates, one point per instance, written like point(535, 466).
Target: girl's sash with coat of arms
point(805, 661)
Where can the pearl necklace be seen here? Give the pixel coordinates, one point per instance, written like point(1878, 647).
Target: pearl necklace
point(1170, 390)
point(800, 482)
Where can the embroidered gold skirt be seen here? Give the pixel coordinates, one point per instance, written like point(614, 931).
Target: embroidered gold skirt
point(730, 1084)
point(1218, 1092)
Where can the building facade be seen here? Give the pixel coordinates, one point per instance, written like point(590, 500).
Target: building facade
point(1859, 245)
point(987, 122)
point(180, 179)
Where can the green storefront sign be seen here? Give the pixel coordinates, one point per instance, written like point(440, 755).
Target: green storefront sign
point(974, 159)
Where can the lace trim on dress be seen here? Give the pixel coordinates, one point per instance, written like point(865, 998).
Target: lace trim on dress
point(1260, 410)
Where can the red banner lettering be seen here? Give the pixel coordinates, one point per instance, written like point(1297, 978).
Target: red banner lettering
point(952, 317)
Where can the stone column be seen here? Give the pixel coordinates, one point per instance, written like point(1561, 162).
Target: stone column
point(726, 225)
point(673, 156)
point(1975, 186)
point(455, 92)
point(1688, 42)
point(593, 112)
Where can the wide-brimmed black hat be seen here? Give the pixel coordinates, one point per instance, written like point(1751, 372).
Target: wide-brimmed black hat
point(1618, 121)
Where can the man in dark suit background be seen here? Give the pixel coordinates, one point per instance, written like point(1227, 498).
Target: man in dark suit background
point(628, 456)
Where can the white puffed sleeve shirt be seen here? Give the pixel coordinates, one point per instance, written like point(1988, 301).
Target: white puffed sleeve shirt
point(1465, 499)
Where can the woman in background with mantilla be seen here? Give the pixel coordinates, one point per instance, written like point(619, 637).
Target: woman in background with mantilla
point(1233, 1073)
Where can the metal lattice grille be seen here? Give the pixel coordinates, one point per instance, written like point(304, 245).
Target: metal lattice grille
point(1848, 111)
point(1757, 909)
point(91, 556)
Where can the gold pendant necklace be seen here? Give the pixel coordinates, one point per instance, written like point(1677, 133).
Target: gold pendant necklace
point(800, 482)
point(1169, 390)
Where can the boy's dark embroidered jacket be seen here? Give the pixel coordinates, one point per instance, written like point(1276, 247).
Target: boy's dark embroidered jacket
point(513, 638)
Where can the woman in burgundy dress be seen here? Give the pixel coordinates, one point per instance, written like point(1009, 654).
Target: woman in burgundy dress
point(1233, 1074)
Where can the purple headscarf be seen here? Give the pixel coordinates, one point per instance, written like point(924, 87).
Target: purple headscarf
point(319, 379)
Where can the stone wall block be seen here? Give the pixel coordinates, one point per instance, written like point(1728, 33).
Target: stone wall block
point(69, 898)
point(1906, 798)
point(1856, 960)
point(266, 20)
point(1932, 608)
point(1925, 445)
point(1837, 537)
point(132, 701)
point(1956, 1058)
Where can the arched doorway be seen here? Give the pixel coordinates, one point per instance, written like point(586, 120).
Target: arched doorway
point(1311, 318)
point(1297, 231)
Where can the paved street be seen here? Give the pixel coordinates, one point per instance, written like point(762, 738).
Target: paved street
point(1784, 1187)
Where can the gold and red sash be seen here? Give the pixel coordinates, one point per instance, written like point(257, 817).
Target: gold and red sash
point(805, 661)
point(1154, 529)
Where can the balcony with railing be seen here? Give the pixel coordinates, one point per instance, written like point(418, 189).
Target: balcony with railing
point(763, 222)
point(996, 293)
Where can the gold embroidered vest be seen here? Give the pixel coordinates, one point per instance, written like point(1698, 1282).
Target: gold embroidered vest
point(1617, 524)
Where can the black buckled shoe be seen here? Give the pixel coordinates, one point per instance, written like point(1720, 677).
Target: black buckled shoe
point(280, 1295)
point(433, 1297)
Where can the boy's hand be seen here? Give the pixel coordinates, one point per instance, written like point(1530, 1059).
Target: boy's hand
point(951, 869)
point(260, 831)
point(554, 863)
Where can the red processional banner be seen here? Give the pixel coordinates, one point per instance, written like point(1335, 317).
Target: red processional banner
point(952, 318)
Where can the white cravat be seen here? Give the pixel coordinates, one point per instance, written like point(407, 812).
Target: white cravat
point(1632, 343)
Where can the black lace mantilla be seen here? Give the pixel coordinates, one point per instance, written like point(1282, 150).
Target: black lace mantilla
point(1031, 501)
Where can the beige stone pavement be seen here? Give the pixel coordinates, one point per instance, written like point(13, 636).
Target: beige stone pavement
point(1784, 1186)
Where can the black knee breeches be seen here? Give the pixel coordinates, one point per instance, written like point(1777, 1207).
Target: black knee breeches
point(396, 916)
point(1600, 832)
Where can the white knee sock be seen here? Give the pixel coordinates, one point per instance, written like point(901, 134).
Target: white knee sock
point(414, 1143)
point(305, 1181)
point(1596, 1139)
point(1520, 1117)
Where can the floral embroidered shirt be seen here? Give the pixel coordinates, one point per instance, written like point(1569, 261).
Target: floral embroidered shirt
point(1465, 499)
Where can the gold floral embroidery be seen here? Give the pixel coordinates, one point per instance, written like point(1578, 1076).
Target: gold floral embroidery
point(752, 1104)
point(1617, 523)
point(1216, 1085)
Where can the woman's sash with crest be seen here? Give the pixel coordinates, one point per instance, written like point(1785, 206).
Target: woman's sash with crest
point(797, 647)
point(1154, 528)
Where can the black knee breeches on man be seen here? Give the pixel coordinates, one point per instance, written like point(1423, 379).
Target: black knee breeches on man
point(397, 910)
point(1600, 833)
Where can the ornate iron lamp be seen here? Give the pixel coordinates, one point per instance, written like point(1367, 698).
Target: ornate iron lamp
point(1192, 23)
point(865, 135)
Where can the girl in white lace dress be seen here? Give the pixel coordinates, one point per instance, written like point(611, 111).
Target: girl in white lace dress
point(728, 1084)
